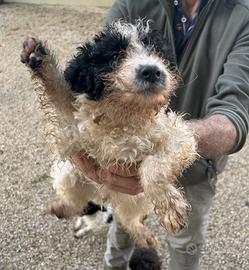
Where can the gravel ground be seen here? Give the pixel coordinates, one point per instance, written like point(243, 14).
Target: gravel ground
point(30, 240)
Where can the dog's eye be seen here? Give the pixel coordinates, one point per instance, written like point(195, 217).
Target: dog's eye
point(115, 57)
point(118, 56)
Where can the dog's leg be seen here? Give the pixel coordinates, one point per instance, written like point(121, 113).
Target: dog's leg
point(73, 189)
point(159, 175)
point(45, 70)
point(130, 212)
point(82, 232)
point(140, 234)
point(55, 97)
point(168, 200)
point(78, 223)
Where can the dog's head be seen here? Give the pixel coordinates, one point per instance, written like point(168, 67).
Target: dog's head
point(126, 63)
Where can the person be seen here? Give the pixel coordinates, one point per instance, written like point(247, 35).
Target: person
point(209, 40)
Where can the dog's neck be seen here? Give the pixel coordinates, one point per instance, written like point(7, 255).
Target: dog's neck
point(121, 112)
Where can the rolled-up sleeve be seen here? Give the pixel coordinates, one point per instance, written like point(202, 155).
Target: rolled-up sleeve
point(232, 89)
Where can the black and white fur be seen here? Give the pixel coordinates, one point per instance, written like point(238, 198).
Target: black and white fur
point(94, 218)
point(109, 105)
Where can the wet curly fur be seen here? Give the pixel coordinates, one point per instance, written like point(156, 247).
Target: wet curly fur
point(110, 104)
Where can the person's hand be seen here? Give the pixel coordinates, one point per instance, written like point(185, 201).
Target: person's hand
point(87, 166)
point(116, 178)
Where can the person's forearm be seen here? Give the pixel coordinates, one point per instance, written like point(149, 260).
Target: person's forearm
point(215, 135)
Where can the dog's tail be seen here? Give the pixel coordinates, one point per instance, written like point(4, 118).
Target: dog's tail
point(145, 259)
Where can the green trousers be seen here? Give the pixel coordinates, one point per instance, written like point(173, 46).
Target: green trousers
point(184, 248)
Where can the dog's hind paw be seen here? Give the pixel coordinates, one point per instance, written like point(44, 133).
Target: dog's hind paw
point(33, 53)
point(78, 223)
point(82, 232)
point(61, 210)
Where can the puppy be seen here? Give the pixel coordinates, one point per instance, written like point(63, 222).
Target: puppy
point(110, 105)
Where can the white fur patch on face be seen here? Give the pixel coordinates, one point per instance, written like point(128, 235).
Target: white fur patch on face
point(142, 58)
point(126, 76)
point(128, 95)
point(138, 55)
point(131, 31)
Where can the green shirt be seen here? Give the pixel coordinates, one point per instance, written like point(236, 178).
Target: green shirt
point(214, 65)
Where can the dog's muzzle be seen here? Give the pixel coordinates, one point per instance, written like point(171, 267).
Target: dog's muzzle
point(151, 78)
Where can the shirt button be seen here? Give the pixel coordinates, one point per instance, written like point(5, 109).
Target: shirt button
point(183, 19)
point(191, 249)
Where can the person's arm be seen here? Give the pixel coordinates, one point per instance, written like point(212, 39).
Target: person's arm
point(216, 136)
point(230, 99)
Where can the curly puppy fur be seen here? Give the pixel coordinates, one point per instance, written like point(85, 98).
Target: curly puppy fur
point(110, 104)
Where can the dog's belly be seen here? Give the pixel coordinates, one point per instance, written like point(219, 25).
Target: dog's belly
point(66, 177)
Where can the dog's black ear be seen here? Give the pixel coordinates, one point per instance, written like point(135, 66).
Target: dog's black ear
point(80, 73)
point(86, 71)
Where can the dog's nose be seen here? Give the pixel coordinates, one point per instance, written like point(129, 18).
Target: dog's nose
point(149, 73)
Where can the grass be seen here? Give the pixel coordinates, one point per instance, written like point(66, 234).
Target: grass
point(39, 178)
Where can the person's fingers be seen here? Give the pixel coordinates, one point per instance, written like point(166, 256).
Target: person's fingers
point(130, 185)
point(132, 192)
point(124, 171)
point(87, 167)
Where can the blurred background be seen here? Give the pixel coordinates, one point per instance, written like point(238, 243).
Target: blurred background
point(104, 3)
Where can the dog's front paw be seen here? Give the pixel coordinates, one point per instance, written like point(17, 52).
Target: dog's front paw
point(176, 218)
point(33, 53)
point(173, 210)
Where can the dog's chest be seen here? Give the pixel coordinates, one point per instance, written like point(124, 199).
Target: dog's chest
point(115, 145)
